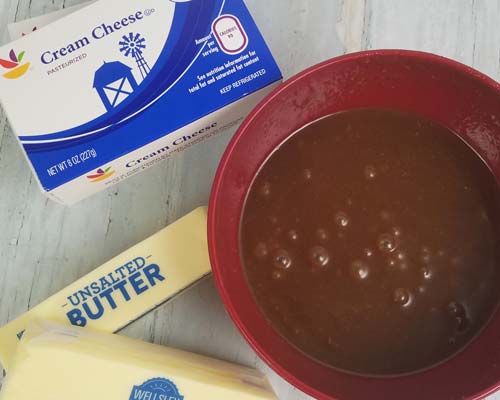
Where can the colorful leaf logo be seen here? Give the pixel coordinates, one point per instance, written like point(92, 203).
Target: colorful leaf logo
point(14, 64)
point(18, 72)
point(101, 174)
point(13, 56)
point(7, 64)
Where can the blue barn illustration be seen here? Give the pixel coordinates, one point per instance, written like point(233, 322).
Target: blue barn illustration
point(114, 82)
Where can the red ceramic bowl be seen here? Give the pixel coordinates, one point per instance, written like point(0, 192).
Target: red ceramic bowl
point(448, 92)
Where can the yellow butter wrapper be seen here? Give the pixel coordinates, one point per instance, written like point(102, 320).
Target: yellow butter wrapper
point(127, 287)
point(60, 363)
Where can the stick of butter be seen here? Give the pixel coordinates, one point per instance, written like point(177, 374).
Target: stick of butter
point(127, 287)
point(60, 363)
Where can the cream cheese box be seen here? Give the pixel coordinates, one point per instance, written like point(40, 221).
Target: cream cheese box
point(114, 87)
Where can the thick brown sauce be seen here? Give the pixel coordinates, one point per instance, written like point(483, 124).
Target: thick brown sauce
point(370, 242)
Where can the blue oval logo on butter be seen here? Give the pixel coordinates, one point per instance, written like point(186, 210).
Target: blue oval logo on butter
point(156, 389)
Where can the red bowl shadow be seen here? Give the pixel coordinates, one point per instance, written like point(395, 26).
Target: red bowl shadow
point(443, 90)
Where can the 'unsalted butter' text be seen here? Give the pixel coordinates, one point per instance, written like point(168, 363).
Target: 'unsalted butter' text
point(123, 284)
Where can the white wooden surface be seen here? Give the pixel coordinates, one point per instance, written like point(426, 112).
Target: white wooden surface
point(44, 246)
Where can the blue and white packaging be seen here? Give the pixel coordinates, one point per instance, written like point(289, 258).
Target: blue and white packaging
point(115, 87)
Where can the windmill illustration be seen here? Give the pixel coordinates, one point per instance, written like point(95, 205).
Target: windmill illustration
point(133, 45)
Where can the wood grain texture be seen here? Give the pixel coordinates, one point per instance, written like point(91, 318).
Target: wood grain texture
point(44, 246)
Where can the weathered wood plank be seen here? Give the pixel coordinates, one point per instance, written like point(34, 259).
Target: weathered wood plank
point(44, 247)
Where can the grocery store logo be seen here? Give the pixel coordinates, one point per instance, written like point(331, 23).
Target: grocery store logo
point(101, 175)
point(14, 65)
point(156, 389)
